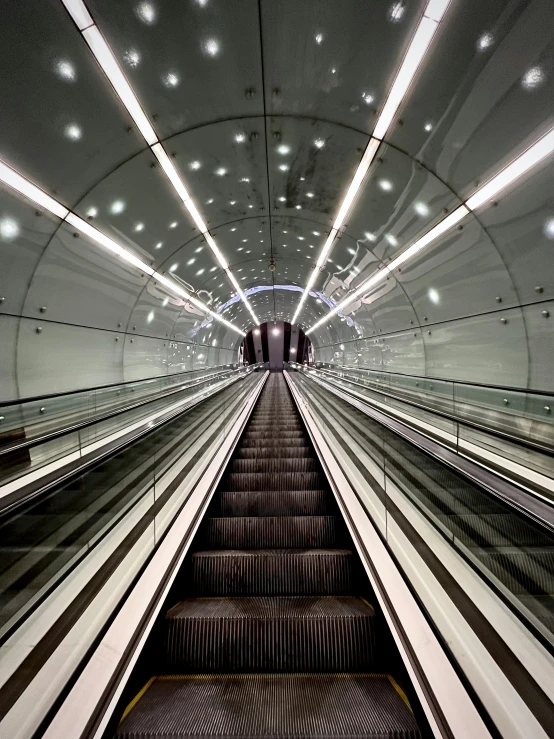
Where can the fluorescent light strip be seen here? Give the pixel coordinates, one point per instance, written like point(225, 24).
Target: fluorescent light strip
point(532, 156)
point(30, 191)
point(33, 193)
point(417, 49)
point(107, 61)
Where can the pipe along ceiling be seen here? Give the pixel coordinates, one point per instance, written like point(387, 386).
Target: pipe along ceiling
point(173, 174)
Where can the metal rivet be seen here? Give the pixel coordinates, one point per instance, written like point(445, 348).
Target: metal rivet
point(429, 333)
point(539, 289)
point(503, 320)
point(498, 299)
point(38, 330)
point(118, 325)
point(250, 92)
point(131, 341)
point(424, 318)
point(117, 338)
point(547, 408)
point(134, 328)
point(417, 384)
point(2, 300)
point(42, 410)
point(1, 419)
point(505, 401)
point(411, 323)
point(545, 313)
point(42, 309)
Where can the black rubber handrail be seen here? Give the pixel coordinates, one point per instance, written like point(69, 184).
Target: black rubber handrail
point(27, 443)
point(48, 396)
point(535, 445)
point(428, 378)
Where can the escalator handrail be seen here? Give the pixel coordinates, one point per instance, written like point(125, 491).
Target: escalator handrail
point(529, 443)
point(36, 488)
point(509, 492)
point(50, 435)
point(104, 674)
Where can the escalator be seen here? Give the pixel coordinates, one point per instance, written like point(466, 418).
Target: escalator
point(270, 632)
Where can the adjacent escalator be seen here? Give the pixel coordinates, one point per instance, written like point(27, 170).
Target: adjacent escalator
point(275, 636)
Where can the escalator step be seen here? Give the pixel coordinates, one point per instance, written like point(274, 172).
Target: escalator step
point(272, 465)
point(276, 503)
point(287, 532)
point(523, 572)
point(294, 634)
point(270, 707)
point(273, 452)
point(272, 572)
point(254, 442)
point(495, 529)
point(276, 433)
point(273, 481)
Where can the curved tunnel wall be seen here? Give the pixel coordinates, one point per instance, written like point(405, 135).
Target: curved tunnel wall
point(476, 306)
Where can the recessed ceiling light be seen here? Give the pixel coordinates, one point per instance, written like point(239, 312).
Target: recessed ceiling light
point(92, 212)
point(370, 237)
point(316, 233)
point(212, 47)
point(159, 245)
point(9, 229)
point(174, 224)
point(221, 172)
point(232, 202)
point(117, 207)
point(433, 295)
point(170, 79)
point(484, 41)
point(195, 165)
point(73, 132)
point(367, 98)
point(132, 58)
point(240, 138)
point(533, 78)
point(385, 185)
point(422, 209)
point(319, 143)
point(281, 199)
point(139, 227)
point(298, 207)
point(191, 261)
point(283, 149)
point(396, 12)
point(310, 194)
point(173, 267)
point(428, 126)
point(549, 228)
point(283, 167)
point(318, 38)
point(66, 70)
point(146, 12)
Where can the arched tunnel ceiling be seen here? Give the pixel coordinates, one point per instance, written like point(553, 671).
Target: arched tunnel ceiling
point(266, 109)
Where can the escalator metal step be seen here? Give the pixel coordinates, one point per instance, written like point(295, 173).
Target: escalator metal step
point(274, 503)
point(275, 441)
point(276, 433)
point(271, 532)
point(287, 634)
point(272, 465)
point(272, 572)
point(349, 706)
point(273, 481)
point(273, 452)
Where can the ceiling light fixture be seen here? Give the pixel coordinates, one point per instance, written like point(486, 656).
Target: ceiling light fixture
point(417, 49)
point(107, 61)
point(485, 194)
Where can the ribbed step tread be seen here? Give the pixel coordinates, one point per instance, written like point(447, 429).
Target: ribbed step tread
point(273, 481)
point(254, 441)
point(495, 529)
point(270, 707)
point(277, 451)
point(272, 572)
point(287, 634)
point(271, 532)
point(522, 572)
point(272, 465)
point(274, 503)
point(275, 433)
